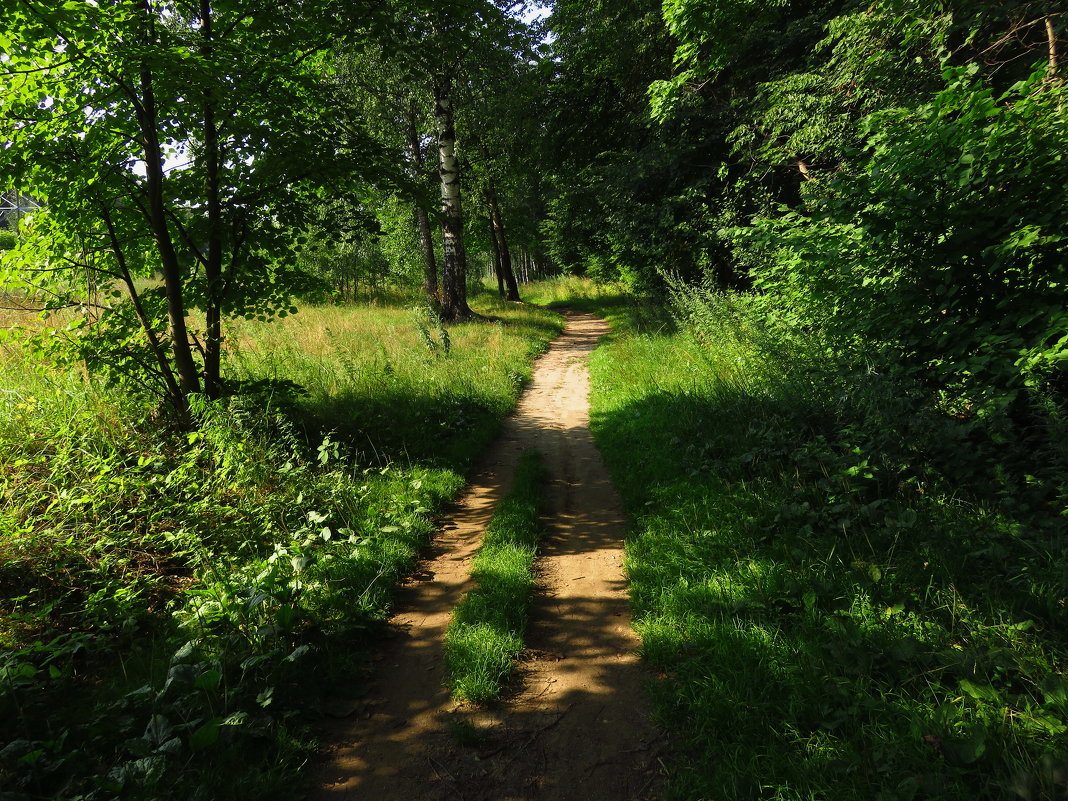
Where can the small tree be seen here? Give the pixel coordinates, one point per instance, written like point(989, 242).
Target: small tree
point(172, 139)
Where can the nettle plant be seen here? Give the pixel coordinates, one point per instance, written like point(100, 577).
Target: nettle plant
point(172, 145)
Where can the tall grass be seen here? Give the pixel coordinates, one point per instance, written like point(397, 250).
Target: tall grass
point(193, 592)
point(831, 612)
point(569, 290)
point(395, 384)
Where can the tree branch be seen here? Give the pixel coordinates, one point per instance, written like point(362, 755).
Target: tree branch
point(1051, 38)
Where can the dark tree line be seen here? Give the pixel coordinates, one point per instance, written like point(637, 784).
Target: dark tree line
point(888, 173)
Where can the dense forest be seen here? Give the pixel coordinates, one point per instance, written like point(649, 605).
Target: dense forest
point(273, 274)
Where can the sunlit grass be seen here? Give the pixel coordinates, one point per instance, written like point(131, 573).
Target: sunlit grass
point(486, 632)
point(826, 617)
point(395, 383)
point(568, 290)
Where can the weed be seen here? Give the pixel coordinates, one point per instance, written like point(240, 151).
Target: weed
point(464, 732)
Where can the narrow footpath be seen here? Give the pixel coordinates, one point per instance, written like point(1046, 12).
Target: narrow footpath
point(576, 727)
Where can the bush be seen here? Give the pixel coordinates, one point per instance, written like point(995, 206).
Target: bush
point(936, 251)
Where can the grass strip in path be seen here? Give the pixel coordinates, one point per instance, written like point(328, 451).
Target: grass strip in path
point(576, 728)
point(486, 632)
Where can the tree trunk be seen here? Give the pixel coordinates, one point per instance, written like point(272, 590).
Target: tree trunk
point(173, 391)
point(430, 262)
point(422, 219)
point(213, 256)
point(454, 264)
point(502, 244)
point(188, 377)
point(496, 256)
point(1051, 42)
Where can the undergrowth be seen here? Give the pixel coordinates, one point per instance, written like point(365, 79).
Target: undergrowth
point(174, 607)
point(846, 592)
point(485, 635)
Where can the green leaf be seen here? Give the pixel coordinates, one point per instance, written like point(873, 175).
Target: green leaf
point(208, 680)
point(980, 692)
point(158, 729)
point(968, 749)
point(896, 609)
point(265, 697)
point(1055, 689)
point(1048, 723)
point(205, 736)
point(297, 653)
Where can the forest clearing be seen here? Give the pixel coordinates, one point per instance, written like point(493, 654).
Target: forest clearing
point(637, 400)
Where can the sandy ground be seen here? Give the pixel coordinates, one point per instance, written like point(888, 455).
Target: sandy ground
point(575, 725)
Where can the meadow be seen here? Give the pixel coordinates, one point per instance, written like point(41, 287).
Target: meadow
point(200, 595)
point(841, 593)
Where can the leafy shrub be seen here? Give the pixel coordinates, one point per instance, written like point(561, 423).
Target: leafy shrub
point(195, 576)
point(942, 248)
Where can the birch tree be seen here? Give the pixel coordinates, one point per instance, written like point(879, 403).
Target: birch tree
point(464, 42)
point(454, 262)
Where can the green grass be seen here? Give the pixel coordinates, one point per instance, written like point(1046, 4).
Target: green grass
point(831, 609)
point(194, 593)
point(396, 386)
point(623, 310)
point(485, 635)
point(571, 291)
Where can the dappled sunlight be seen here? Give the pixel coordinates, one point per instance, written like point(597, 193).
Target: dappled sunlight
point(558, 731)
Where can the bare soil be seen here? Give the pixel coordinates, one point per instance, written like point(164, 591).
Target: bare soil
point(575, 725)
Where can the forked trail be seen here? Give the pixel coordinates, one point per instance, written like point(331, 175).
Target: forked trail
point(577, 727)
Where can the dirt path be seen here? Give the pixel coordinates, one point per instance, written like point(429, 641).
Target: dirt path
point(576, 728)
